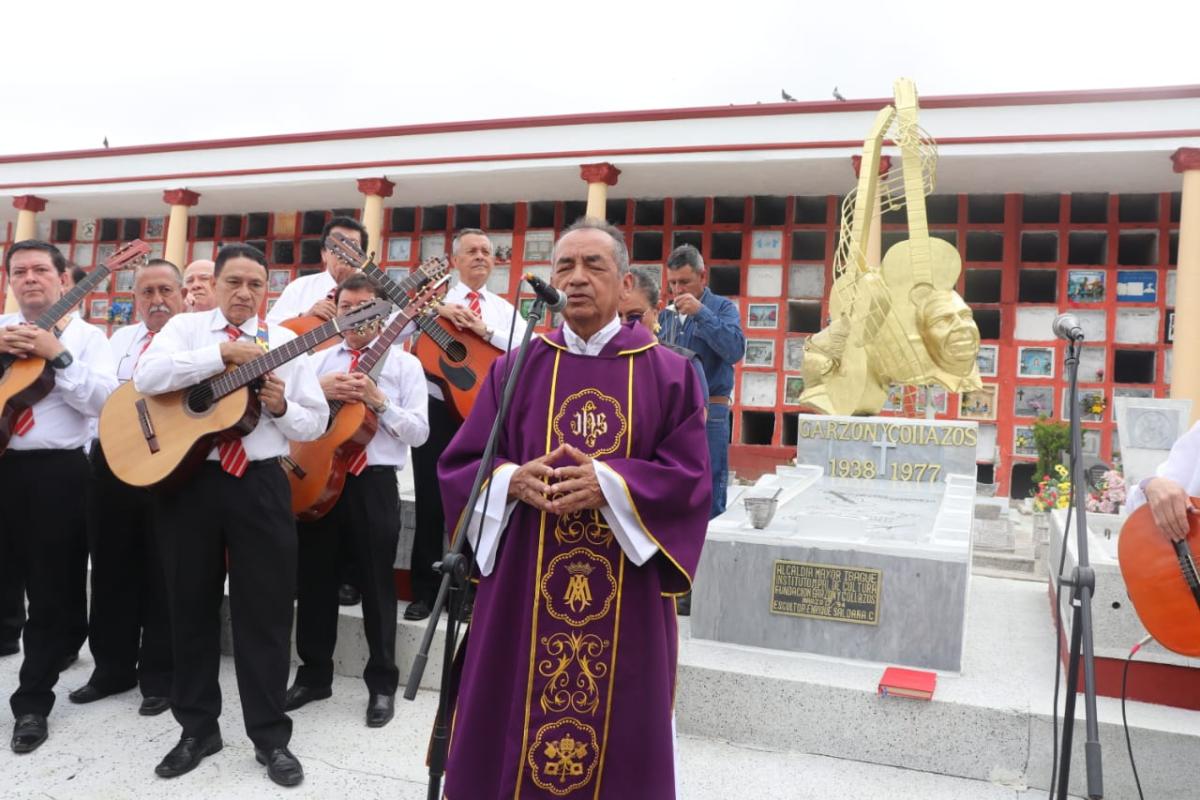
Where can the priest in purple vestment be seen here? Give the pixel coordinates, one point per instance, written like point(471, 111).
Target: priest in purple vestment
point(599, 504)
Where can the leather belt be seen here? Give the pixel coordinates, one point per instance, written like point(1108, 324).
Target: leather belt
point(718, 400)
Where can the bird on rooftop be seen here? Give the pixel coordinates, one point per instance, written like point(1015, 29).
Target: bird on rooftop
point(838, 95)
point(787, 97)
point(105, 141)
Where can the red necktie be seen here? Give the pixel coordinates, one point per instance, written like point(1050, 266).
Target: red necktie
point(149, 339)
point(24, 422)
point(359, 462)
point(232, 454)
point(473, 298)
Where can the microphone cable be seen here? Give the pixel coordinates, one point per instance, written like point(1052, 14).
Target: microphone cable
point(1124, 721)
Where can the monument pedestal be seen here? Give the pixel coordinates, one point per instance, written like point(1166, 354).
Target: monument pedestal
point(871, 568)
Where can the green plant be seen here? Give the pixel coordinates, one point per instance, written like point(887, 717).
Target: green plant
point(1050, 437)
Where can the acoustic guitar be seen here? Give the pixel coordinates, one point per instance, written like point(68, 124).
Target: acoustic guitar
point(1162, 580)
point(456, 360)
point(317, 469)
point(25, 381)
point(348, 252)
point(153, 440)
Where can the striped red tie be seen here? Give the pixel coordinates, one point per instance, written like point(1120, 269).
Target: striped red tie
point(232, 453)
point(149, 339)
point(24, 422)
point(473, 303)
point(359, 462)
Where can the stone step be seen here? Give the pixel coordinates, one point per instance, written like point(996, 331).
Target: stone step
point(990, 723)
point(1006, 562)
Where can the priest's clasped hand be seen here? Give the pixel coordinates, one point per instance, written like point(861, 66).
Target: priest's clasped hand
point(558, 490)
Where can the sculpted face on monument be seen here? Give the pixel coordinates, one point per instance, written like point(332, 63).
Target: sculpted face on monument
point(948, 329)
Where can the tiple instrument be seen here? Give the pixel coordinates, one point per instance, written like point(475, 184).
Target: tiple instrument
point(152, 440)
point(317, 469)
point(25, 381)
point(1163, 579)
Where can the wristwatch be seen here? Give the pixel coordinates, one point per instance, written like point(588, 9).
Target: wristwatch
point(62, 360)
point(382, 407)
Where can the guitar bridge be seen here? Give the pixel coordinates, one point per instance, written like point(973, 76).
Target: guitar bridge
point(143, 412)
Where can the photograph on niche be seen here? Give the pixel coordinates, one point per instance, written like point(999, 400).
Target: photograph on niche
point(793, 387)
point(1033, 401)
point(762, 315)
point(760, 352)
point(278, 280)
point(1035, 362)
point(979, 404)
point(986, 359)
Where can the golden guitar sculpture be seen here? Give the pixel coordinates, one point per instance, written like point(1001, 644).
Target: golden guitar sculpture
point(25, 381)
point(152, 440)
point(317, 469)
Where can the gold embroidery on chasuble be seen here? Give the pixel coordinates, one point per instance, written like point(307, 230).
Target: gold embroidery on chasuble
point(577, 607)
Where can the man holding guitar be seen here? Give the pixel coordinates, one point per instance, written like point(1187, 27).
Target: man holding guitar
point(469, 306)
point(129, 631)
point(240, 500)
point(312, 295)
point(365, 519)
point(43, 527)
point(1169, 492)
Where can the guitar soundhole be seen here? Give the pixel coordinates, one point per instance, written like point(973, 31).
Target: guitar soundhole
point(199, 400)
point(457, 351)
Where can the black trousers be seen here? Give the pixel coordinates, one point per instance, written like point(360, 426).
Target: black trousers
point(43, 527)
point(129, 628)
point(429, 541)
point(12, 597)
point(250, 516)
point(365, 523)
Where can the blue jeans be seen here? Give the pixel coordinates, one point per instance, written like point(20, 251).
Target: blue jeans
point(717, 428)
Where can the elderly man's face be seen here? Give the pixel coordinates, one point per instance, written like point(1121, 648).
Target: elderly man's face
point(949, 332)
point(241, 288)
point(198, 286)
point(635, 305)
point(686, 280)
point(586, 272)
point(474, 260)
point(157, 296)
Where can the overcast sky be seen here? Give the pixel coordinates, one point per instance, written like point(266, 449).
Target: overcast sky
point(141, 72)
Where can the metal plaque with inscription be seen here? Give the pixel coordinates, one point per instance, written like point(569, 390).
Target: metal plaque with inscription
point(826, 591)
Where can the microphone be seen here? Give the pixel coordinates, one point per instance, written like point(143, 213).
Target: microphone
point(553, 298)
point(1066, 326)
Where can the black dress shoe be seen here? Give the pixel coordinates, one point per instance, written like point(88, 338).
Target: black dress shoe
point(187, 755)
point(89, 693)
point(416, 610)
point(348, 596)
point(298, 696)
point(282, 767)
point(380, 710)
point(29, 732)
point(9, 648)
point(153, 706)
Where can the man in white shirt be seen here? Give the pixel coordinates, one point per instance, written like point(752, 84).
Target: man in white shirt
point(238, 500)
point(198, 286)
point(42, 478)
point(1169, 492)
point(366, 519)
point(129, 629)
point(313, 294)
point(471, 306)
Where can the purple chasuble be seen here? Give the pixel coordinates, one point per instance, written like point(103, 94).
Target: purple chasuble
point(568, 680)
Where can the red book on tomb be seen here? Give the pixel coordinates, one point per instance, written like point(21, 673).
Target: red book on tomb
point(915, 683)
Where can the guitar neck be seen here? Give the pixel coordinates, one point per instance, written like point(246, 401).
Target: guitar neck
point(914, 183)
point(56, 312)
point(251, 371)
point(398, 293)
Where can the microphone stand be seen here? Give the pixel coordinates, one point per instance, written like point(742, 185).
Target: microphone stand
point(455, 568)
point(1083, 584)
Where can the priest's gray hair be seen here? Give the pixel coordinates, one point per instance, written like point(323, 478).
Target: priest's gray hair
point(620, 253)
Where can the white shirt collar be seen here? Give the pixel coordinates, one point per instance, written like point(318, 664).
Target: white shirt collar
point(593, 346)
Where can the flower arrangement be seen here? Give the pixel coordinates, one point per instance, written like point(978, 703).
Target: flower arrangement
point(1093, 403)
point(1053, 491)
point(1109, 495)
